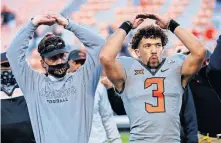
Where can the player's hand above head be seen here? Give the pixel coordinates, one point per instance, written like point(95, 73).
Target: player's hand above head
point(60, 19)
point(161, 21)
point(136, 21)
point(44, 19)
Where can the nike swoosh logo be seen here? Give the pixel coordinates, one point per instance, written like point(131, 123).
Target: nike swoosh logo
point(164, 70)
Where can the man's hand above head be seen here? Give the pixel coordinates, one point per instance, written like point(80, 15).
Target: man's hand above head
point(44, 19)
point(60, 20)
point(160, 20)
point(136, 21)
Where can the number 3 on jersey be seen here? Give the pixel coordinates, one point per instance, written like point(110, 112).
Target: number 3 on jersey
point(158, 93)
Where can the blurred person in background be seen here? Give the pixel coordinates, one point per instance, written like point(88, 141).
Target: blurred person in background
point(104, 128)
point(15, 121)
point(214, 68)
point(7, 17)
point(76, 59)
point(205, 87)
point(60, 104)
point(205, 90)
point(152, 88)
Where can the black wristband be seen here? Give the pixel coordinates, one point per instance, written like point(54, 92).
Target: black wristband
point(173, 25)
point(126, 26)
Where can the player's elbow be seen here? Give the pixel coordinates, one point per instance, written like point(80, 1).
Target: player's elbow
point(105, 59)
point(201, 52)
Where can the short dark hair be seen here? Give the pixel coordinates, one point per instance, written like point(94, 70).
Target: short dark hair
point(148, 32)
point(49, 39)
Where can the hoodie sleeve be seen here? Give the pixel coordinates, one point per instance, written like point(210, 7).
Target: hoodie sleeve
point(94, 43)
point(24, 75)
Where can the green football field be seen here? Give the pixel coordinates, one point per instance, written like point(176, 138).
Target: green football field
point(124, 136)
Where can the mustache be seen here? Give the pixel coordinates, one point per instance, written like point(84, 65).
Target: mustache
point(154, 56)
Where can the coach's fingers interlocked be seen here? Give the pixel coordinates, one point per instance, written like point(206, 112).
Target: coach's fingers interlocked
point(60, 19)
point(43, 20)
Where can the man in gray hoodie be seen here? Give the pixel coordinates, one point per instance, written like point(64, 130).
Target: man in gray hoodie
point(60, 105)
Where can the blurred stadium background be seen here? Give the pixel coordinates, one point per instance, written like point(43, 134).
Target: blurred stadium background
point(201, 17)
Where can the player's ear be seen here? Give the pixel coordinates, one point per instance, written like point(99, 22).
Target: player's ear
point(137, 51)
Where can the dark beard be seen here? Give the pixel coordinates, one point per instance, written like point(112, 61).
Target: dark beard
point(151, 67)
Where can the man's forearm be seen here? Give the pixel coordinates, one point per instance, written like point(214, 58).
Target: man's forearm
point(89, 38)
point(113, 46)
point(190, 41)
point(16, 56)
point(17, 48)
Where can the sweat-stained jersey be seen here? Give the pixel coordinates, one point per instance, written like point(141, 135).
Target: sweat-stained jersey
point(153, 100)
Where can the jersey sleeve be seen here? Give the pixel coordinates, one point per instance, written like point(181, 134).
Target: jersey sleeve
point(126, 63)
point(180, 59)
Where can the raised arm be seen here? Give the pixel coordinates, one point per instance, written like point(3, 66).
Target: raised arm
point(92, 41)
point(16, 54)
point(194, 60)
point(112, 67)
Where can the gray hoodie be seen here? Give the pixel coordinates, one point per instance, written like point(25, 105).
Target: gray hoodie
point(61, 110)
